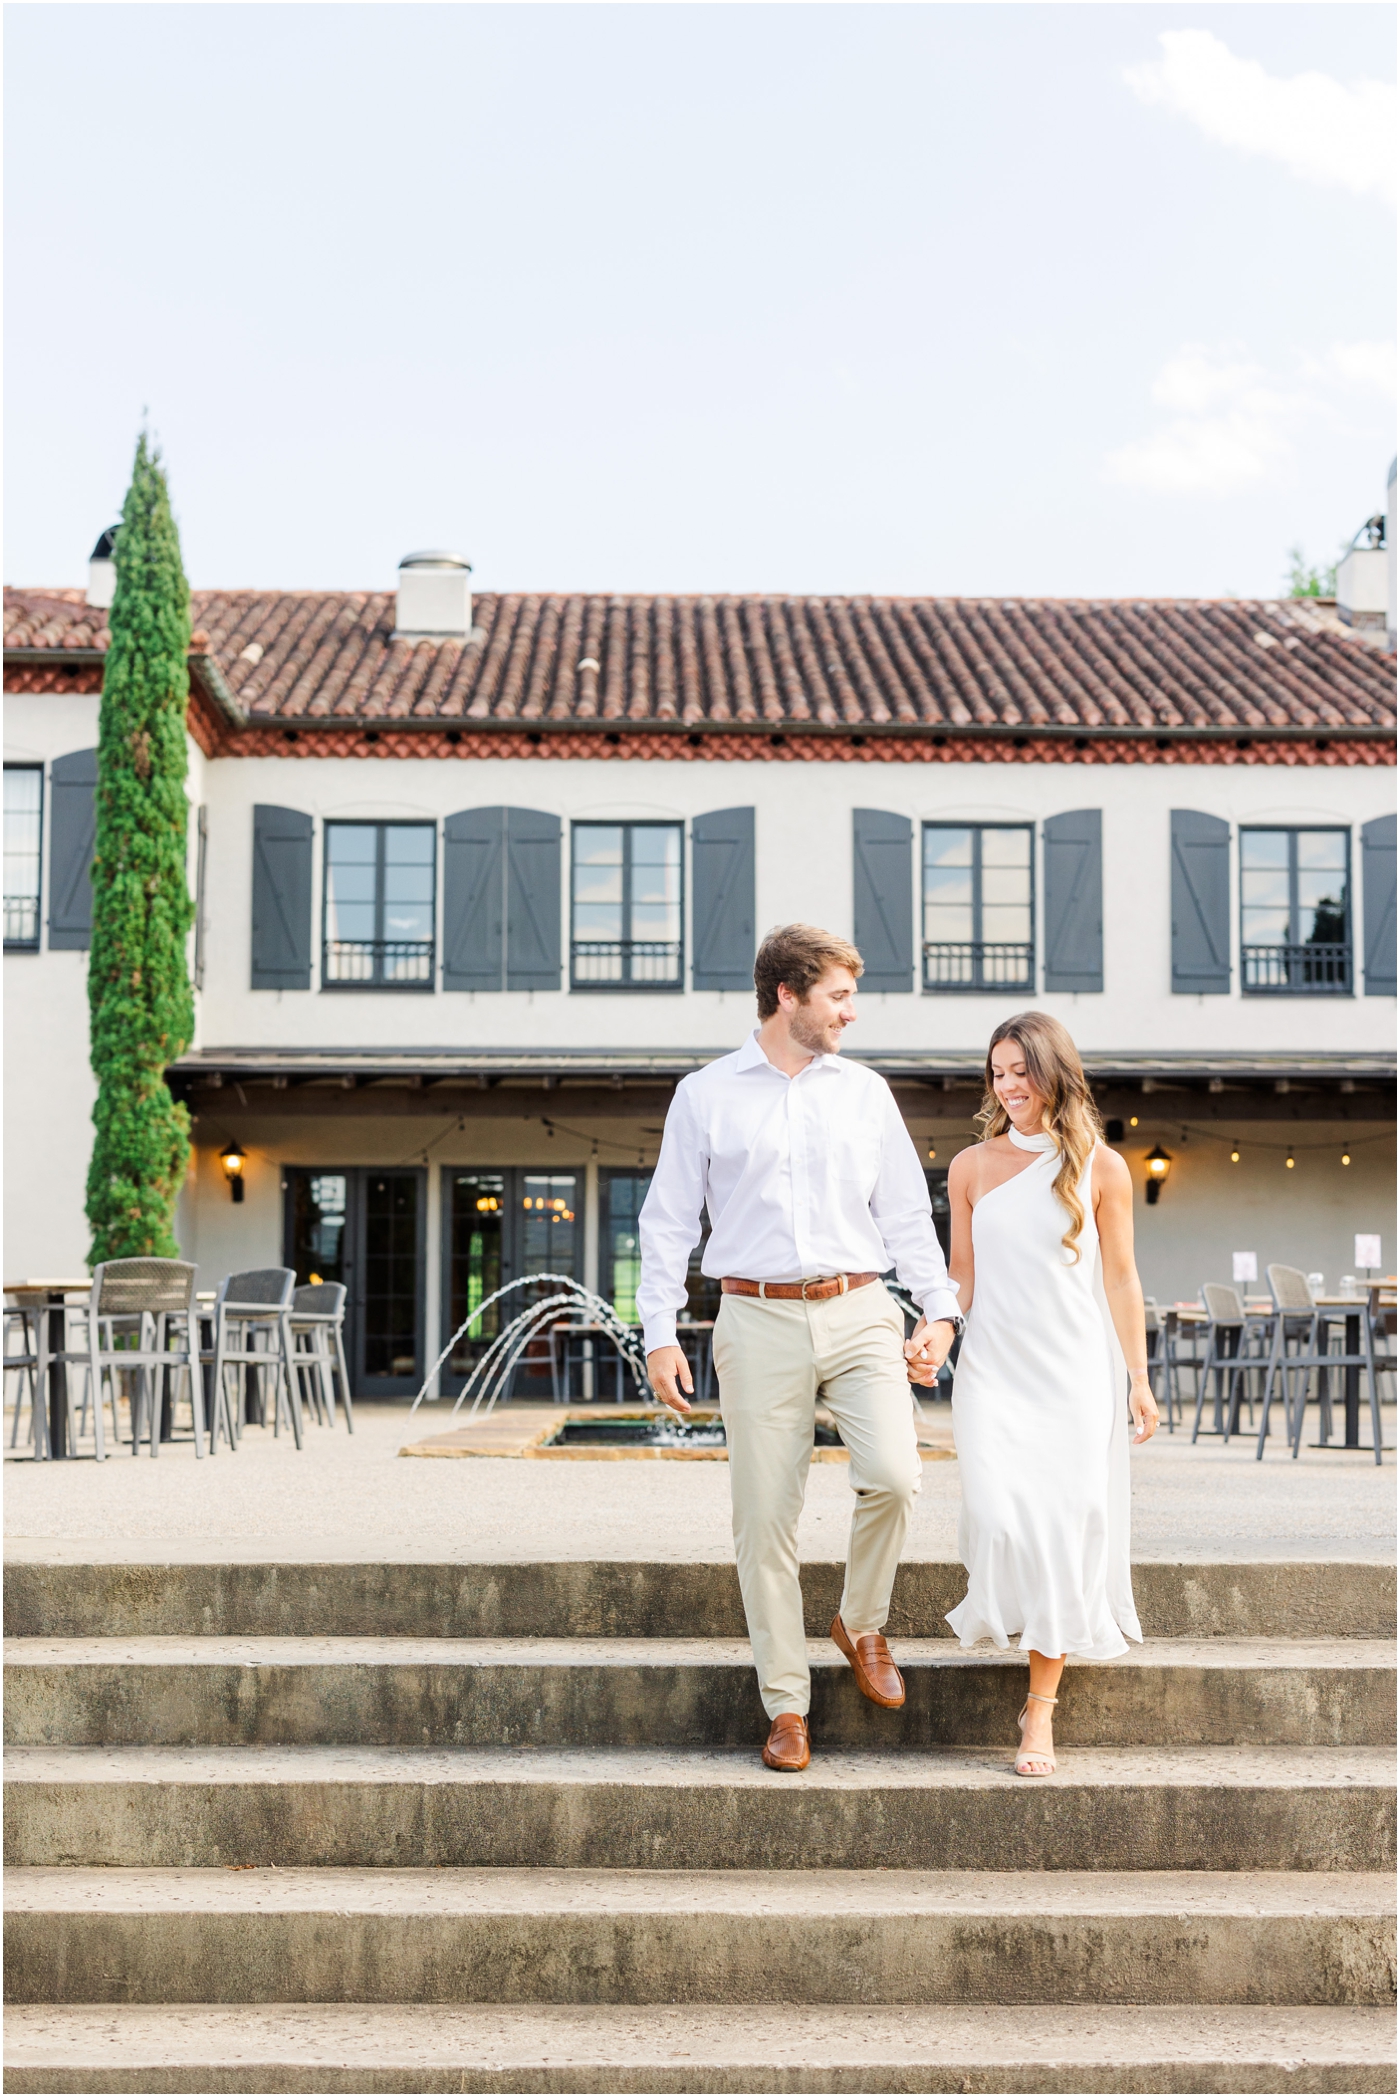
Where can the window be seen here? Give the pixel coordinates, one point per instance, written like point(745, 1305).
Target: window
point(978, 907)
point(627, 906)
point(1295, 912)
point(622, 1194)
point(24, 816)
point(380, 896)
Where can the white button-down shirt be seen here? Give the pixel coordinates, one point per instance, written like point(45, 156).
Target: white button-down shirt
point(805, 1176)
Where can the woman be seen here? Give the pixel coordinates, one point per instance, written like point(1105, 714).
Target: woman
point(1042, 1224)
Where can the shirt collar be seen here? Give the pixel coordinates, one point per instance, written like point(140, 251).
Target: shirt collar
point(751, 1054)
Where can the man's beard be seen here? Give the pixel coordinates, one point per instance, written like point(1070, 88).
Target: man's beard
point(808, 1032)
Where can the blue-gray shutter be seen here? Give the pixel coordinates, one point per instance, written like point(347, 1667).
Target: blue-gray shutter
point(473, 900)
point(282, 849)
point(722, 885)
point(72, 828)
point(1200, 903)
point(1074, 900)
point(1378, 905)
point(532, 900)
point(884, 898)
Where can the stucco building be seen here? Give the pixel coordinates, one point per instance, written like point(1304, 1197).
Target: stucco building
point(479, 878)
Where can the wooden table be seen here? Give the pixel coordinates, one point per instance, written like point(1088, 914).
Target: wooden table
point(53, 1295)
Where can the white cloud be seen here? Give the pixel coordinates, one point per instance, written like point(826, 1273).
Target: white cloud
point(1230, 423)
point(1362, 364)
point(1323, 131)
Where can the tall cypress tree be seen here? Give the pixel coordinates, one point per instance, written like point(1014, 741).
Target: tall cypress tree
point(138, 980)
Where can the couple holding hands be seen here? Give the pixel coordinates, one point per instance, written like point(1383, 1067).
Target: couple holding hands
point(814, 1190)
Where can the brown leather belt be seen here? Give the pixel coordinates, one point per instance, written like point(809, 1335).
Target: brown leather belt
point(799, 1292)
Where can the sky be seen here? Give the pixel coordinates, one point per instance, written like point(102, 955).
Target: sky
point(951, 299)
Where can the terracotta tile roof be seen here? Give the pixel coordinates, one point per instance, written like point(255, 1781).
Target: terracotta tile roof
point(979, 667)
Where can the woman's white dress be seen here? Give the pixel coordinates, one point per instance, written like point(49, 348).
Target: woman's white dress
point(1040, 1421)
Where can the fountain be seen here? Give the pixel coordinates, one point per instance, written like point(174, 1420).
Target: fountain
point(572, 1304)
point(491, 1375)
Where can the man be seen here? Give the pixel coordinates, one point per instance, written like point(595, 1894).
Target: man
point(814, 1189)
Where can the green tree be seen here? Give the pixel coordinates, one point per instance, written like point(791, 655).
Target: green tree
point(138, 980)
point(1304, 581)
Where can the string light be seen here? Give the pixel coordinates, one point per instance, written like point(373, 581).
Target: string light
point(1346, 1157)
point(1290, 1161)
point(1235, 1153)
point(1132, 1121)
point(931, 1156)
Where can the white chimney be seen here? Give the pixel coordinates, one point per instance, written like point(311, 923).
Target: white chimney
point(435, 598)
point(102, 571)
point(1362, 578)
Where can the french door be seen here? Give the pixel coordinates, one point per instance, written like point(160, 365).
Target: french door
point(367, 1228)
point(501, 1225)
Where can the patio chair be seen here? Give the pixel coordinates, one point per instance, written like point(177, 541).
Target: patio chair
point(1231, 1333)
point(25, 1363)
point(317, 1327)
point(138, 1327)
point(1304, 1347)
point(252, 1330)
point(1160, 1366)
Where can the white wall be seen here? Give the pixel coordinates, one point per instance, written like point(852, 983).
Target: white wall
point(804, 850)
point(49, 1086)
point(49, 1089)
point(803, 831)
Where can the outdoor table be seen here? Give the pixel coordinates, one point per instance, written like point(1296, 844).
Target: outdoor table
point(562, 1336)
point(53, 1296)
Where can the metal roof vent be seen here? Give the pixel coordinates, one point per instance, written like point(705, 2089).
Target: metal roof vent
point(102, 571)
point(434, 601)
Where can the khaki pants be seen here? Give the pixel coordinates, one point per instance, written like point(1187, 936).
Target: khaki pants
point(774, 1360)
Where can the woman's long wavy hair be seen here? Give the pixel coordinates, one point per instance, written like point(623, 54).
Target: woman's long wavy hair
point(1054, 1069)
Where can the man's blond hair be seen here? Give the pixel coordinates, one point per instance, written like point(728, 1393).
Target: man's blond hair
point(798, 955)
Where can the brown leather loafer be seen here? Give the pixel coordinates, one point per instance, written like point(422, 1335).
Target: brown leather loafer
point(873, 1665)
point(788, 1745)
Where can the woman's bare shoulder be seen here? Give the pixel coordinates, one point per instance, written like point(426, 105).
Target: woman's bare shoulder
point(963, 1171)
point(1112, 1173)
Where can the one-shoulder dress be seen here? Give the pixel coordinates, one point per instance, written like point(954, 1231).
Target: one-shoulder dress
point(1041, 1425)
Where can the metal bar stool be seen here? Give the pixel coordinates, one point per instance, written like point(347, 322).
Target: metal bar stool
point(252, 1329)
point(317, 1327)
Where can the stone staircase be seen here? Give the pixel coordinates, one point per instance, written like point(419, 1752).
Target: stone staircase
point(470, 1828)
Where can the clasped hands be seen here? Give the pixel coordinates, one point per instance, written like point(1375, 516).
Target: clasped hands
point(669, 1372)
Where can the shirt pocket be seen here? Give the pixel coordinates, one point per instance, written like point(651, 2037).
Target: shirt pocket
point(859, 1149)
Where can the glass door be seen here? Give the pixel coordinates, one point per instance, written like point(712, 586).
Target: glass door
point(365, 1228)
point(498, 1227)
point(621, 1195)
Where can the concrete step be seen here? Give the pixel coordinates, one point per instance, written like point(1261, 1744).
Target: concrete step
point(672, 1693)
point(618, 1599)
point(736, 2048)
point(1168, 1809)
point(719, 1937)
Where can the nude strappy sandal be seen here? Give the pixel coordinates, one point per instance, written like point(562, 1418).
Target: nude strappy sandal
point(1027, 1756)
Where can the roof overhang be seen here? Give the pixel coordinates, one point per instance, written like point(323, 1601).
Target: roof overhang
point(1207, 1069)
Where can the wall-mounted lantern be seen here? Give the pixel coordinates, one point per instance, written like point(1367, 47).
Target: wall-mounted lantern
point(1159, 1164)
point(233, 1159)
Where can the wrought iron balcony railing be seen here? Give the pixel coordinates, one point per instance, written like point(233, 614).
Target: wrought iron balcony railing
point(1303, 969)
point(653, 964)
point(978, 964)
point(387, 964)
